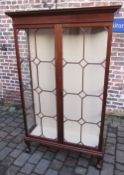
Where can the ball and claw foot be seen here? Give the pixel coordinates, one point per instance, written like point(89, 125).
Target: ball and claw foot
point(99, 164)
point(28, 150)
point(28, 147)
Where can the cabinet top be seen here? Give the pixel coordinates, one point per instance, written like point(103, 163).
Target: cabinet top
point(24, 19)
point(85, 10)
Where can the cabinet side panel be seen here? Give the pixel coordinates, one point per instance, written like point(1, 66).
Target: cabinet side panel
point(25, 74)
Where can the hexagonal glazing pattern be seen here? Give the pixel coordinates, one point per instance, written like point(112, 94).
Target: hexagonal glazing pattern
point(83, 78)
point(41, 79)
point(84, 54)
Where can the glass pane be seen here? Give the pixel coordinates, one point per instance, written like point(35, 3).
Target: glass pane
point(92, 109)
point(84, 55)
point(72, 45)
point(95, 44)
point(26, 78)
point(45, 44)
point(93, 79)
point(72, 135)
point(47, 70)
point(72, 107)
point(41, 69)
point(72, 85)
point(90, 135)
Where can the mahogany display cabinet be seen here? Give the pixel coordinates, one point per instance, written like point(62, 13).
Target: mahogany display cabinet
point(63, 60)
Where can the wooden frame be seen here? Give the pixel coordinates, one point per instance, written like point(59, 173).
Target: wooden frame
point(81, 17)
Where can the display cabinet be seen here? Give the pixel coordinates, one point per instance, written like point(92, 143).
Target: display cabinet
point(63, 60)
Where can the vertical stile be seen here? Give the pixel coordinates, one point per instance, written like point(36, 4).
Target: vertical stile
point(108, 53)
point(59, 83)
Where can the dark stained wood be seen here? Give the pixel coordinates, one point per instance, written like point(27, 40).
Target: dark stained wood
point(65, 146)
point(90, 14)
point(61, 19)
point(85, 25)
point(20, 79)
point(32, 26)
point(105, 86)
point(54, 12)
point(59, 83)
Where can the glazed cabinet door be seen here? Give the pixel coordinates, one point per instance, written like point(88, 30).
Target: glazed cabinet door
point(78, 73)
point(84, 56)
point(37, 62)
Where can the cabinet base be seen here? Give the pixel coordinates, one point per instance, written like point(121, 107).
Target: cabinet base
point(65, 146)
